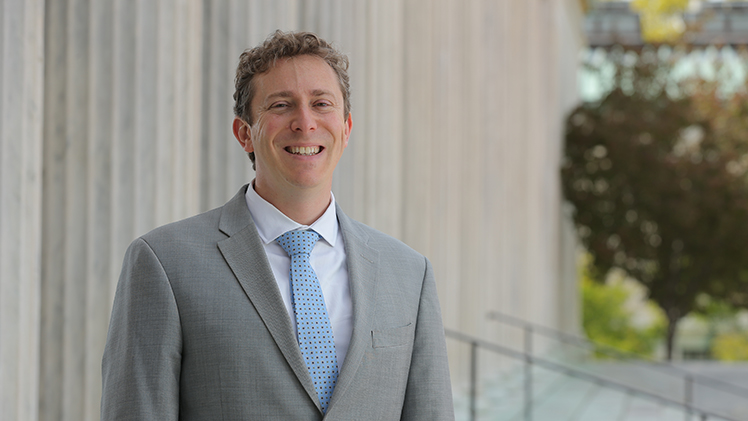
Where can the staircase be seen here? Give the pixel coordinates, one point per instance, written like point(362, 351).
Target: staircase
point(584, 389)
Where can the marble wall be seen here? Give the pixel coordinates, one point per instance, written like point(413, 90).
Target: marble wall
point(115, 118)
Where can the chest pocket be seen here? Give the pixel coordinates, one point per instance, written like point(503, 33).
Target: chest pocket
point(391, 337)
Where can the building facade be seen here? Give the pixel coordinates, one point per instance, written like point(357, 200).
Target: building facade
point(115, 118)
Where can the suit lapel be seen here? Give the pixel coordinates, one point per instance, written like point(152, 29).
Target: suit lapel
point(362, 263)
point(245, 255)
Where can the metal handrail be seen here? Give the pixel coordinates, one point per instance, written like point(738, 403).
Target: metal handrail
point(569, 371)
point(672, 369)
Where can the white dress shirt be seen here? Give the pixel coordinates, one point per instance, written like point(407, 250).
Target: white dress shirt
point(327, 259)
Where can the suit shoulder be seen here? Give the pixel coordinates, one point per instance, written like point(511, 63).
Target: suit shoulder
point(197, 228)
point(385, 243)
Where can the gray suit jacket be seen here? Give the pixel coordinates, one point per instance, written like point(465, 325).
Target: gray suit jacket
point(199, 330)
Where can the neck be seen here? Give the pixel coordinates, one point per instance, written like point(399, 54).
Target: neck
point(303, 206)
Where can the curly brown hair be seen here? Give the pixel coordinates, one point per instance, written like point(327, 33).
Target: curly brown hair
point(279, 45)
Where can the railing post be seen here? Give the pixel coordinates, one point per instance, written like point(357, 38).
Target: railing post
point(473, 380)
point(528, 373)
point(688, 398)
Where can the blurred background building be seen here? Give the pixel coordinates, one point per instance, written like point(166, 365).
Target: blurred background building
point(712, 22)
point(115, 118)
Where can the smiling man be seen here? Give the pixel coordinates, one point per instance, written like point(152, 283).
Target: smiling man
point(296, 125)
point(277, 305)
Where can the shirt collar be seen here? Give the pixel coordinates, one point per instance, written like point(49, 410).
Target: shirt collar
point(272, 223)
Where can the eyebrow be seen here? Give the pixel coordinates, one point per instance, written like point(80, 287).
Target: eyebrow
point(286, 94)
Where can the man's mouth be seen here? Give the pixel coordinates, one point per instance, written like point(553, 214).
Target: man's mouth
point(304, 150)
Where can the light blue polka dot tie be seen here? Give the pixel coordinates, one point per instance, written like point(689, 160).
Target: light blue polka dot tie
point(312, 321)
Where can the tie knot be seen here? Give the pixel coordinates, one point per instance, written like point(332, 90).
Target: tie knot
point(298, 241)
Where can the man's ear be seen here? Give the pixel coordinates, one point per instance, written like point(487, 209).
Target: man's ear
point(242, 134)
point(348, 127)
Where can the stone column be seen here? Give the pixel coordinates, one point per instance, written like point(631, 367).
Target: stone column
point(21, 95)
point(488, 84)
point(121, 156)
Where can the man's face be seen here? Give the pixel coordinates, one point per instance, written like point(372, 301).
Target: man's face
point(298, 132)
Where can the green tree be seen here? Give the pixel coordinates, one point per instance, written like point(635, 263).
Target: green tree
point(656, 173)
point(729, 341)
point(731, 346)
point(608, 320)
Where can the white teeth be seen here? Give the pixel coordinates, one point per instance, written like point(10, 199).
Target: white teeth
point(304, 150)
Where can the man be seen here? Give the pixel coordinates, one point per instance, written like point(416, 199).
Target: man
point(277, 305)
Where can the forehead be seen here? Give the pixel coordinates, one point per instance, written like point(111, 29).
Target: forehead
point(299, 74)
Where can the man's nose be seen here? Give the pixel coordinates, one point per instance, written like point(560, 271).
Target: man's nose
point(304, 120)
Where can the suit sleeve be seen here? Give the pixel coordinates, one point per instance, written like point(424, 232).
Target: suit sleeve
point(142, 357)
point(429, 393)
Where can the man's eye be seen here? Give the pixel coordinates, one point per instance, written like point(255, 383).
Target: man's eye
point(323, 104)
point(279, 105)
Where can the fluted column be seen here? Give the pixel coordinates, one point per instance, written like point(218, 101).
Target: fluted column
point(121, 156)
point(488, 84)
point(21, 95)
